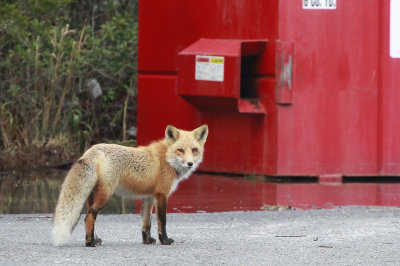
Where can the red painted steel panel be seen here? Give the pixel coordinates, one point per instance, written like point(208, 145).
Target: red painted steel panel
point(327, 83)
point(284, 72)
point(233, 136)
point(167, 27)
point(159, 106)
point(331, 127)
point(183, 24)
point(389, 122)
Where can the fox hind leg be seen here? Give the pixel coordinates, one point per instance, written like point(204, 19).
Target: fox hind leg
point(147, 207)
point(96, 202)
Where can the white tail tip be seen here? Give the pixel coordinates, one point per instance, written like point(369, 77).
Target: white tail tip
point(61, 234)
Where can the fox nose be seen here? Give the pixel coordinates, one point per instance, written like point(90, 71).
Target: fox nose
point(190, 164)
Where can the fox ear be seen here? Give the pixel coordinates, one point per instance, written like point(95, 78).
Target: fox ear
point(201, 133)
point(171, 134)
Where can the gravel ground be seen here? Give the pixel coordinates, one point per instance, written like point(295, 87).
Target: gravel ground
point(340, 236)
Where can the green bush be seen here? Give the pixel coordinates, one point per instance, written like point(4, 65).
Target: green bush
point(45, 67)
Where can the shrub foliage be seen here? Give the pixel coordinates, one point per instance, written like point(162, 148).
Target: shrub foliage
point(52, 54)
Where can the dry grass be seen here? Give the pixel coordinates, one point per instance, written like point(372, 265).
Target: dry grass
point(36, 119)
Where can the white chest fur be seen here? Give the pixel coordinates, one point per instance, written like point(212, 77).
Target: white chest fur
point(181, 176)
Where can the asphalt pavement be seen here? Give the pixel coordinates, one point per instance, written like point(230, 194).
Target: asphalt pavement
point(340, 236)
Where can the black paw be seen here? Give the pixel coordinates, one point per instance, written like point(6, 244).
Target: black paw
point(166, 240)
point(96, 241)
point(91, 244)
point(149, 241)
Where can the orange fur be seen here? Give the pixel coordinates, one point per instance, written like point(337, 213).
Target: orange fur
point(152, 171)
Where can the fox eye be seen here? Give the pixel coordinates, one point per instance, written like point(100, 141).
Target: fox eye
point(194, 150)
point(181, 151)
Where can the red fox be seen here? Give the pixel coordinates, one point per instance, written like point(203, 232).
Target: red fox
point(152, 171)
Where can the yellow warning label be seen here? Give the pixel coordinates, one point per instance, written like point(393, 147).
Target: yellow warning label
point(217, 60)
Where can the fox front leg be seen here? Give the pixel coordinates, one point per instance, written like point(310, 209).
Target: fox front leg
point(161, 201)
point(147, 207)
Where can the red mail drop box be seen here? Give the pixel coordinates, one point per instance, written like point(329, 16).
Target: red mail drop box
point(222, 75)
point(287, 87)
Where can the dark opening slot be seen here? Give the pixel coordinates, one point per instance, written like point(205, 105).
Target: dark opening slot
point(371, 179)
point(266, 178)
point(291, 179)
point(248, 86)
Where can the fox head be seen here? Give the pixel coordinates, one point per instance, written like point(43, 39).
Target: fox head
point(185, 148)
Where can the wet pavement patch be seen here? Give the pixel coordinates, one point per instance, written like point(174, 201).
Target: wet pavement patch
point(37, 192)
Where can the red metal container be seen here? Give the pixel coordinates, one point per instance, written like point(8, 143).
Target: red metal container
point(287, 87)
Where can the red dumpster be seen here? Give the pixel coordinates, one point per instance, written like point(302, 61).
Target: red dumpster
point(287, 87)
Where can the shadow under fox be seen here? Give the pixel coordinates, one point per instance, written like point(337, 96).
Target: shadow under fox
point(153, 172)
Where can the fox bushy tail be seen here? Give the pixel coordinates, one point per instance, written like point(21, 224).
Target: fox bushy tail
point(76, 188)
